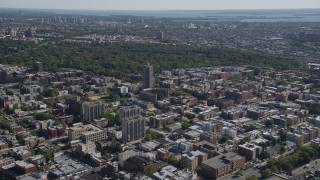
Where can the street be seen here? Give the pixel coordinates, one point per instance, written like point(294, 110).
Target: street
point(313, 166)
point(246, 173)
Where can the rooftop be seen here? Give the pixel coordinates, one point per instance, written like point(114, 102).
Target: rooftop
point(222, 160)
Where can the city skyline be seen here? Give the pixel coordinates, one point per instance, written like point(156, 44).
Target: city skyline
point(159, 5)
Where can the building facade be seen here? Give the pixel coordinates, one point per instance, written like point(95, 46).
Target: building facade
point(222, 165)
point(87, 133)
point(38, 66)
point(147, 77)
point(92, 110)
point(133, 124)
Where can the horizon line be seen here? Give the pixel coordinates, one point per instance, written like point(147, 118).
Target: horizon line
point(14, 8)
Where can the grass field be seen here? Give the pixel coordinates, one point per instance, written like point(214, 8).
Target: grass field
point(95, 98)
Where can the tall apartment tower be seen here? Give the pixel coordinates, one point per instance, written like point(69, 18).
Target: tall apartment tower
point(38, 66)
point(12, 32)
point(92, 110)
point(148, 79)
point(160, 35)
point(29, 32)
point(133, 124)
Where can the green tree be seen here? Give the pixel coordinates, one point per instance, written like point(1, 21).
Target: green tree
point(114, 147)
point(239, 173)
point(150, 135)
point(185, 125)
point(179, 93)
point(123, 101)
point(50, 92)
point(36, 164)
point(250, 128)
point(245, 139)
point(4, 124)
point(112, 119)
point(20, 138)
point(166, 128)
point(9, 110)
point(237, 101)
point(43, 116)
point(119, 59)
point(272, 161)
point(34, 133)
point(149, 171)
point(56, 123)
point(268, 123)
point(274, 169)
point(266, 173)
point(176, 101)
point(189, 115)
point(173, 161)
point(224, 139)
point(48, 154)
point(283, 135)
point(9, 92)
point(253, 177)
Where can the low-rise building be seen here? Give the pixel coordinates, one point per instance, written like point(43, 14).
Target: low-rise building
point(102, 122)
point(161, 121)
point(6, 161)
point(211, 149)
point(192, 159)
point(3, 145)
point(221, 103)
point(21, 152)
point(87, 132)
point(140, 164)
point(230, 132)
point(222, 165)
point(170, 172)
point(25, 168)
point(124, 156)
point(250, 151)
point(86, 148)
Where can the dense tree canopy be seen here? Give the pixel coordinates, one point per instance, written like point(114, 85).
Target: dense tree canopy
point(301, 155)
point(119, 59)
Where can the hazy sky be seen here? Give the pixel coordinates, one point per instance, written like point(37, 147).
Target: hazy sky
point(160, 4)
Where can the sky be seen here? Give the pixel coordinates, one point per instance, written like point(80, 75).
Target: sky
point(159, 4)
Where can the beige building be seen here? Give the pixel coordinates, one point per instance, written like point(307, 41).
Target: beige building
point(87, 132)
point(124, 156)
point(192, 159)
point(86, 148)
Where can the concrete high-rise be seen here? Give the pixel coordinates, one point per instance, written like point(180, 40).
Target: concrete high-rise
point(133, 124)
point(38, 66)
point(12, 32)
point(29, 32)
point(160, 35)
point(92, 110)
point(147, 77)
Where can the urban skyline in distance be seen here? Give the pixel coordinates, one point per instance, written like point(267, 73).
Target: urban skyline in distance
point(160, 5)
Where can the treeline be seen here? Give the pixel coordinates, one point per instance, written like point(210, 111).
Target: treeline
point(302, 155)
point(119, 59)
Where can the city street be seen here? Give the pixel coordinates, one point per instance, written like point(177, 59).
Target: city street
point(313, 166)
point(246, 173)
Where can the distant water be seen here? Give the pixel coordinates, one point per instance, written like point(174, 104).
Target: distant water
point(299, 15)
point(296, 15)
